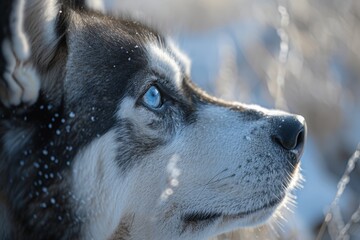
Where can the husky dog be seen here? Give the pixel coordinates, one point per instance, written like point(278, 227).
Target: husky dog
point(104, 136)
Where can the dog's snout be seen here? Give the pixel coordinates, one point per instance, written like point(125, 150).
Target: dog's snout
point(290, 132)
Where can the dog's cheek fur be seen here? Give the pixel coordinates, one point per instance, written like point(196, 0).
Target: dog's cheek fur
point(108, 193)
point(142, 132)
point(99, 187)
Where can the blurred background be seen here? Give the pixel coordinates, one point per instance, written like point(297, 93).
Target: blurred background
point(301, 56)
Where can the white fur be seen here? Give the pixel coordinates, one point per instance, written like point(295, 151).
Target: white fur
point(99, 188)
point(41, 17)
point(20, 41)
point(140, 116)
point(28, 79)
point(23, 83)
point(51, 10)
point(11, 94)
point(183, 60)
point(162, 62)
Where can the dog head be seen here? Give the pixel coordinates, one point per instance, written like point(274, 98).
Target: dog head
point(191, 166)
point(152, 156)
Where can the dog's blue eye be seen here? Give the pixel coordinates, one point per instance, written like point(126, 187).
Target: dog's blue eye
point(152, 97)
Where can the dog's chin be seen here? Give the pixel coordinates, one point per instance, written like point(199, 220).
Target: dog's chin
point(217, 222)
point(221, 222)
point(252, 218)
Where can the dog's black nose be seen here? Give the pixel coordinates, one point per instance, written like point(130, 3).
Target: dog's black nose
point(290, 132)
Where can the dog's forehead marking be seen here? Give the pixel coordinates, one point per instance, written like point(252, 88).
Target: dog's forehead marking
point(162, 62)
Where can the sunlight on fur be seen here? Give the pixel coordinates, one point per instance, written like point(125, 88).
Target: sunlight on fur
point(173, 174)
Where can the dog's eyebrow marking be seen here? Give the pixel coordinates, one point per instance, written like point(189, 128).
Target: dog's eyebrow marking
point(179, 57)
point(164, 64)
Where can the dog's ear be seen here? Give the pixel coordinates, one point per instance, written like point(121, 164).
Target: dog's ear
point(46, 23)
point(18, 83)
point(33, 48)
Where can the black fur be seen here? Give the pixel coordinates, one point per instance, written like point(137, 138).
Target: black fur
point(6, 8)
point(33, 179)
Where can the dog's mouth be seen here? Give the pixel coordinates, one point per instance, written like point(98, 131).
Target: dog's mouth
point(206, 218)
point(200, 217)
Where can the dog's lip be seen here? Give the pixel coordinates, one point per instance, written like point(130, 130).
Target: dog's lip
point(201, 216)
point(230, 217)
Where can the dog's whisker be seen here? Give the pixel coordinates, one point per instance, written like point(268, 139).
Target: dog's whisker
point(216, 175)
point(209, 182)
point(221, 179)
